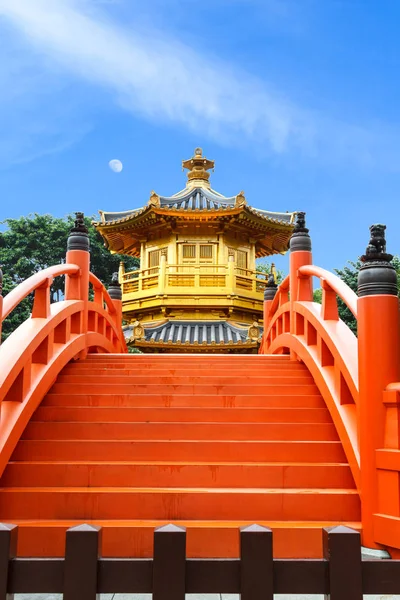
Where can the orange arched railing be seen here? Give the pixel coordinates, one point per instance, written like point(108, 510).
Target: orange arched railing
point(358, 377)
point(314, 333)
point(34, 354)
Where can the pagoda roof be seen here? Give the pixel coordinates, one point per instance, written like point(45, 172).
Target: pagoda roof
point(192, 333)
point(194, 199)
point(123, 231)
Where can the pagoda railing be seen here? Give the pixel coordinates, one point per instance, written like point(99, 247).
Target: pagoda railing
point(210, 278)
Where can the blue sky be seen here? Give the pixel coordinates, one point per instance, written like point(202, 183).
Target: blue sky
point(297, 101)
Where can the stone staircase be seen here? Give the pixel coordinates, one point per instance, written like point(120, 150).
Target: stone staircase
point(212, 442)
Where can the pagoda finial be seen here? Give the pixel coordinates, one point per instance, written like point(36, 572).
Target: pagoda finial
point(198, 166)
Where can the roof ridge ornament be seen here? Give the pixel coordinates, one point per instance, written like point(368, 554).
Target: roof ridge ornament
point(198, 166)
point(240, 200)
point(154, 200)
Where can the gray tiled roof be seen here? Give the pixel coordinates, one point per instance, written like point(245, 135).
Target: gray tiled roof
point(192, 332)
point(110, 217)
point(197, 199)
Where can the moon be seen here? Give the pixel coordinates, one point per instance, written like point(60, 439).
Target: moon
point(116, 165)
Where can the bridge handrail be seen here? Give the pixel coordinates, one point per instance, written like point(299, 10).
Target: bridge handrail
point(101, 294)
point(334, 283)
point(34, 282)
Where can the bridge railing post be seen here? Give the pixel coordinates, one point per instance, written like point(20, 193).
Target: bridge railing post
point(115, 291)
point(78, 253)
point(269, 295)
point(301, 288)
point(378, 364)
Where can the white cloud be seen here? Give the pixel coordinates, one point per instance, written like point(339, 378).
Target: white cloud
point(33, 119)
point(164, 80)
point(156, 77)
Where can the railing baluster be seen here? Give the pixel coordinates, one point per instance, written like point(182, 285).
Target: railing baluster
point(342, 548)
point(98, 296)
point(80, 571)
point(41, 301)
point(8, 551)
point(169, 568)
point(329, 309)
point(256, 563)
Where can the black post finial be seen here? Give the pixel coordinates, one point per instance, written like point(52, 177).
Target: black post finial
point(271, 287)
point(300, 239)
point(114, 289)
point(377, 275)
point(78, 238)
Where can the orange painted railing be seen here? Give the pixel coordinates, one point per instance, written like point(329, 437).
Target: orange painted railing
point(34, 354)
point(316, 336)
point(359, 377)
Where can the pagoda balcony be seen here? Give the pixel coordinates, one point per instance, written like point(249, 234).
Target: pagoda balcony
point(223, 283)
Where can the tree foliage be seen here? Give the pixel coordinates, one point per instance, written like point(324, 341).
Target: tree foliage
point(349, 274)
point(264, 266)
point(35, 242)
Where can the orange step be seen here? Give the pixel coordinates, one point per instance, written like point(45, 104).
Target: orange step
point(183, 400)
point(212, 442)
point(175, 503)
point(184, 359)
point(205, 539)
point(144, 369)
point(205, 378)
point(202, 450)
point(187, 414)
point(39, 430)
point(190, 370)
point(163, 474)
point(192, 389)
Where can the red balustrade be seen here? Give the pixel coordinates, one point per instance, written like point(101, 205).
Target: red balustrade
point(34, 354)
point(359, 377)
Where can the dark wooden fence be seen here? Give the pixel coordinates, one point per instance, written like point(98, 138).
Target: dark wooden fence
point(256, 575)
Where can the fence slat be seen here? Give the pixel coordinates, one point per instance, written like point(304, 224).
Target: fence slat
point(81, 554)
point(256, 563)
point(342, 548)
point(8, 550)
point(169, 567)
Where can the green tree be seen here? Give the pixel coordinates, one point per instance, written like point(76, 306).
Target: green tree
point(35, 242)
point(264, 266)
point(349, 274)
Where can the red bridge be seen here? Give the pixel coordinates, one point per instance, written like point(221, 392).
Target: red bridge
point(302, 436)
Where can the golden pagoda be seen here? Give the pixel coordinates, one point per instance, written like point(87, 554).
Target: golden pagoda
point(197, 289)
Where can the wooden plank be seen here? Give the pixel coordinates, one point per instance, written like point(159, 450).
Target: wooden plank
point(294, 576)
point(213, 576)
point(37, 576)
point(381, 577)
point(125, 576)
